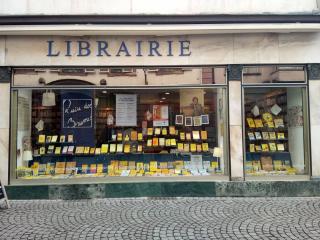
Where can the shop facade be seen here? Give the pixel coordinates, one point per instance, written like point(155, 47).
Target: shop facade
point(135, 109)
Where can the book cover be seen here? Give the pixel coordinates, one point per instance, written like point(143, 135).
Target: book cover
point(60, 167)
point(173, 142)
point(270, 124)
point(126, 148)
point(252, 148)
point(65, 150)
point(258, 123)
point(265, 147)
point(180, 147)
point(258, 148)
point(266, 163)
point(149, 143)
point(54, 138)
point(278, 122)
point(205, 147)
point(186, 147)
point(182, 136)
point(134, 135)
point(119, 136)
point(62, 138)
point(123, 165)
point(86, 150)
point(272, 135)
point(57, 150)
point(168, 142)
point(48, 139)
point(257, 135)
point(100, 168)
point(139, 149)
point(280, 147)
point(150, 132)
point(140, 136)
point(84, 168)
point(98, 151)
point(131, 165)
point(79, 150)
point(195, 135)
point(155, 142)
point(70, 138)
point(153, 166)
point(193, 147)
point(273, 147)
point(199, 148)
point(50, 168)
point(204, 135)
point(119, 148)
point(70, 167)
point(42, 151)
point(126, 138)
point(265, 135)
point(42, 138)
point(92, 150)
point(162, 142)
point(163, 165)
point(164, 131)
point(70, 149)
point(172, 130)
point(104, 148)
point(157, 131)
point(281, 135)
point(42, 169)
point(251, 136)
point(112, 148)
point(50, 149)
point(140, 166)
point(188, 136)
point(93, 168)
point(277, 165)
point(251, 123)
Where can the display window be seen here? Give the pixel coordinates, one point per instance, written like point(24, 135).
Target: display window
point(276, 135)
point(65, 132)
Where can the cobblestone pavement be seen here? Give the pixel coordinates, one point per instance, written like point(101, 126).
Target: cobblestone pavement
point(176, 218)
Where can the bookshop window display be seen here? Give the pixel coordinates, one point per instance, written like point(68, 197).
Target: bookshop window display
point(75, 133)
point(276, 135)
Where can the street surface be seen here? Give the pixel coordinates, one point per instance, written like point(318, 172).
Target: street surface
point(163, 218)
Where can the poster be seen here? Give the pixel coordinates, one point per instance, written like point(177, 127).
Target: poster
point(196, 162)
point(160, 115)
point(77, 113)
point(126, 110)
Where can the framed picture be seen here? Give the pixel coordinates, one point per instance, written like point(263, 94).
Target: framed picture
point(197, 121)
point(188, 121)
point(205, 119)
point(179, 119)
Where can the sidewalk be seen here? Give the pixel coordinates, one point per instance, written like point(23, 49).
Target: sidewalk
point(166, 218)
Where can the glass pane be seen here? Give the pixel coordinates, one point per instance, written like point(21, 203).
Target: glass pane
point(120, 76)
point(104, 133)
point(275, 136)
point(273, 74)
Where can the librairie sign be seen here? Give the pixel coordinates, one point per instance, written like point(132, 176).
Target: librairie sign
point(105, 48)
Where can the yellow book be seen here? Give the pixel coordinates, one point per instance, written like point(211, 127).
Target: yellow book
point(167, 142)
point(280, 147)
point(140, 166)
point(252, 148)
point(134, 135)
point(60, 167)
point(153, 166)
point(195, 135)
point(251, 123)
point(149, 142)
point(86, 150)
point(188, 136)
point(281, 135)
point(186, 147)
point(119, 136)
point(272, 135)
point(54, 138)
point(273, 147)
point(205, 147)
point(57, 150)
point(163, 165)
point(182, 136)
point(193, 147)
point(199, 148)
point(157, 131)
point(270, 124)
point(162, 142)
point(70, 138)
point(98, 151)
point(126, 138)
point(84, 168)
point(104, 148)
point(70, 167)
point(140, 137)
point(119, 148)
point(150, 131)
point(172, 130)
point(123, 165)
point(42, 138)
point(173, 142)
point(127, 148)
point(204, 135)
point(133, 173)
point(265, 147)
point(258, 123)
point(92, 150)
point(79, 150)
point(214, 164)
point(258, 148)
point(165, 171)
point(178, 164)
point(113, 148)
point(164, 131)
point(277, 165)
point(100, 168)
point(139, 149)
point(42, 151)
point(180, 146)
point(265, 135)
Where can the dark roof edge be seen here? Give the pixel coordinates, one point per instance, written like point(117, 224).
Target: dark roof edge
point(156, 19)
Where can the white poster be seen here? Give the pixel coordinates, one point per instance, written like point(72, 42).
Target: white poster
point(126, 110)
point(160, 115)
point(196, 162)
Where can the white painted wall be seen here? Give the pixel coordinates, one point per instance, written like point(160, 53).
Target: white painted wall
point(131, 7)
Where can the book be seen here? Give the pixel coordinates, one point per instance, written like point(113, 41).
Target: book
point(104, 148)
point(195, 135)
point(199, 148)
point(188, 136)
point(273, 147)
point(100, 168)
point(50, 149)
point(167, 142)
point(86, 150)
point(140, 166)
point(92, 150)
point(65, 150)
point(140, 136)
point(162, 142)
point(272, 135)
point(204, 135)
point(48, 139)
point(139, 149)
point(153, 166)
point(278, 122)
point(172, 130)
point(70, 149)
point(84, 168)
point(251, 136)
point(42, 138)
point(252, 148)
point(186, 147)
point(70, 138)
point(134, 135)
point(164, 131)
point(60, 167)
point(70, 167)
point(258, 148)
point(119, 136)
point(150, 131)
point(163, 165)
point(265, 147)
point(277, 165)
point(182, 136)
point(126, 138)
point(173, 142)
point(62, 138)
point(265, 135)
point(180, 146)
point(205, 147)
point(119, 148)
point(131, 165)
point(112, 148)
point(50, 168)
point(98, 151)
point(266, 163)
point(155, 142)
point(251, 123)
point(270, 124)
point(42, 151)
point(280, 135)
point(123, 165)
point(257, 135)
point(54, 138)
point(79, 150)
point(157, 131)
point(149, 143)
point(114, 137)
point(258, 123)
point(193, 147)
point(280, 147)
point(57, 150)
point(126, 148)
point(93, 168)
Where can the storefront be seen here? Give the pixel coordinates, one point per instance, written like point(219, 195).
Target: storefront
point(139, 109)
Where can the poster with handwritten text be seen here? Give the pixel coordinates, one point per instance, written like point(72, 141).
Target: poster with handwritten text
point(77, 113)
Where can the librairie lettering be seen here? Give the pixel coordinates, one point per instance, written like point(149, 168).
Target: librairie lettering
point(103, 48)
